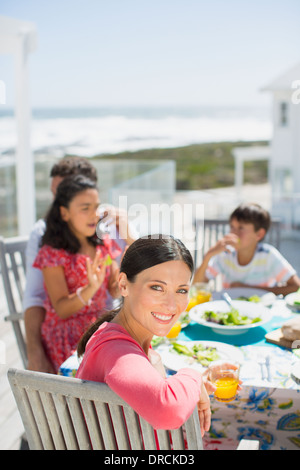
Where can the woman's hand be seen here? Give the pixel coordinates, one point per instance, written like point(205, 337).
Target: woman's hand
point(96, 271)
point(210, 387)
point(204, 410)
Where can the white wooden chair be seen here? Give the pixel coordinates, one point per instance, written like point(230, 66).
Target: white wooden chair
point(13, 270)
point(209, 231)
point(66, 413)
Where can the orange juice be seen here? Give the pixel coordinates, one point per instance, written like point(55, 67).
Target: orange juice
point(203, 296)
point(199, 294)
point(191, 304)
point(226, 388)
point(174, 331)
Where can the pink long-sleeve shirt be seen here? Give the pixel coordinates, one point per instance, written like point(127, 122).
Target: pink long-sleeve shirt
point(112, 356)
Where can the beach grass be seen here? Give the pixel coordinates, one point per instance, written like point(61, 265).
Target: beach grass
point(202, 166)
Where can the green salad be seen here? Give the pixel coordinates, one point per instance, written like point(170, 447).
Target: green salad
point(252, 298)
point(231, 318)
point(197, 352)
point(297, 298)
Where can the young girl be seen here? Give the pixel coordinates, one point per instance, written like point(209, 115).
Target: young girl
point(75, 267)
point(154, 281)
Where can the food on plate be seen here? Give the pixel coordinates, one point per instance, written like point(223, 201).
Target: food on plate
point(252, 298)
point(297, 298)
point(231, 318)
point(291, 329)
point(157, 340)
point(184, 319)
point(197, 353)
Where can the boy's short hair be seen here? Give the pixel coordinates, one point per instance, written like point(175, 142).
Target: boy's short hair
point(252, 214)
point(69, 166)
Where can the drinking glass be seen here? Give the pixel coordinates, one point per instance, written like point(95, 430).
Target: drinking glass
point(225, 377)
point(199, 293)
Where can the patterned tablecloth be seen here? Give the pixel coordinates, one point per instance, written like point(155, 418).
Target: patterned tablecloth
point(268, 406)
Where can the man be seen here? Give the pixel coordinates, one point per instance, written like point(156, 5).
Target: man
point(34, 295)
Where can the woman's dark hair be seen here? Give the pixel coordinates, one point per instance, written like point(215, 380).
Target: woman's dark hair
point(151, 250)
point(144, 253)
point(252, 213)
point(57, 234)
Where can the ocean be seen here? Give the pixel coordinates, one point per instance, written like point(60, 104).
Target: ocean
point(93, 131)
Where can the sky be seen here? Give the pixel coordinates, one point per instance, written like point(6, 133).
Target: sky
point(155, 52)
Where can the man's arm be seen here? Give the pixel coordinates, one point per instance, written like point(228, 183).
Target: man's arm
point(34, 313)
point(37, 359)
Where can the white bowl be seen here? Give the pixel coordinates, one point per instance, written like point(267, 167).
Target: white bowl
point(290, 301)
point(250, 309)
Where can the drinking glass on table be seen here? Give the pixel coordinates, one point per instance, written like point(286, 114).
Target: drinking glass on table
point(225, 377)
point(200, 292)
point(174, 331)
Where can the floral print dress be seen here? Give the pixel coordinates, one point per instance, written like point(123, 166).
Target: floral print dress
point(61, 336)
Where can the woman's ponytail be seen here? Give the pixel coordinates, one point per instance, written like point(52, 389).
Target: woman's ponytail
point(109, 316)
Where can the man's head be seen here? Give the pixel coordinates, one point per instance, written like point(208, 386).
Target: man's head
point(69, 166)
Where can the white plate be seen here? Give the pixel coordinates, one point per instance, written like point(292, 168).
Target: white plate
point(174, 361)
point(186, 323)
point(244, 307)
point(266, 298)
point(290, 299)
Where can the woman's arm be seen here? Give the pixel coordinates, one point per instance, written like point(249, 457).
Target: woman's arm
point(166, 403)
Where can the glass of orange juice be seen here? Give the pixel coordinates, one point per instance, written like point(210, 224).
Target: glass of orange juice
point(225, 377)
point(200, 292)
point(174, 331)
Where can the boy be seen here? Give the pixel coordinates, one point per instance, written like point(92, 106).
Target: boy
point(244, 260)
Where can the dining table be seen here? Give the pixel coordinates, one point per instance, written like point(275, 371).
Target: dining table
point(267, 408)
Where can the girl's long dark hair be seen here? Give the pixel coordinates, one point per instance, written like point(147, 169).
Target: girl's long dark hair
point(57, 234)
point(144, 253)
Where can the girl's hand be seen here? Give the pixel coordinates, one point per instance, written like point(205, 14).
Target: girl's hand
point(204, 411)
point(96, 271)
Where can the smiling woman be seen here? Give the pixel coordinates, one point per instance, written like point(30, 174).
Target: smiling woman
point(154, 281)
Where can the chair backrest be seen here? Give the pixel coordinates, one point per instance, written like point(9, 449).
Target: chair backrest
point(66, 413)
point(209, 231)
point(13, 270)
